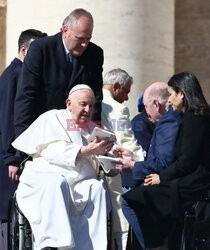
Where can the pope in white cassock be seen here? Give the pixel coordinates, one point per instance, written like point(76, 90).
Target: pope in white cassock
point(59, 193)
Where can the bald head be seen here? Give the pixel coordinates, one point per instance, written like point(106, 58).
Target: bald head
point(156, 100)
point(157, 90)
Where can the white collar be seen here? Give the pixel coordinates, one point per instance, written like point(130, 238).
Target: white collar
point(68, 53)
point(19, 59)
point(107, 92)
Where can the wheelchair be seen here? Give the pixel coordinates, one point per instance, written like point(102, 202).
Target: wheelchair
point(20, 236)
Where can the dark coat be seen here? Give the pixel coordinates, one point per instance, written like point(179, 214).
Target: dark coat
point(143, 130)
point(45, 80)
point(8, 84)
point(182, 183)
point(161, 152)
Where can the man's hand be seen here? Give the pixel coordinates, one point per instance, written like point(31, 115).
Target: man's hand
point(127, 159)
point(126, 165)
point(123, 153)
point(151, 179)
point(12, 173)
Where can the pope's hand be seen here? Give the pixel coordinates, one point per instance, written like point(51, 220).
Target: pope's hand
point(97, 147)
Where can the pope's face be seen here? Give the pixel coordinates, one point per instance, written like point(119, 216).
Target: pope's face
point(80, 104)
point(77, 37)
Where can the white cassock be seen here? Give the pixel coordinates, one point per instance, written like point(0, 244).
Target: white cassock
point(116, 118)
point(58, 192)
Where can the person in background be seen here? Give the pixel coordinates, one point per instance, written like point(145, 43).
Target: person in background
point(115, 118)
point(9, 158)
point(142, 126)
point(54, 65)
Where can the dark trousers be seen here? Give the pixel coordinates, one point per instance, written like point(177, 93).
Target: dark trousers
point(3, 235)
point(133, 221)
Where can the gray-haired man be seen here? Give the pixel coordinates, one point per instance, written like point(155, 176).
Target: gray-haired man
point(115, 117)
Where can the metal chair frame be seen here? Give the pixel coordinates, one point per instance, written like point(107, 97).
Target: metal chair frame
point(195, 236)
point(20, 235)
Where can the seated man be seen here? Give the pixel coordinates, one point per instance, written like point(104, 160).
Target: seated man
point(161, 152)
point(143, 130)
point(59, 192)
point(115, 117)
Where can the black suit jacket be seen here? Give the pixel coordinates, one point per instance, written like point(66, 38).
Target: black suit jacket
point(46, 80)
point(192, 147)
point(8, 84)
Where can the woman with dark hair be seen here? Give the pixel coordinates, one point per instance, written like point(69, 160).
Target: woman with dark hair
point(161, 202)
point(193, 99)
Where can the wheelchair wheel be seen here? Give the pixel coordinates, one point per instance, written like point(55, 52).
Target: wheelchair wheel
point(20, 234)
point(196, 236)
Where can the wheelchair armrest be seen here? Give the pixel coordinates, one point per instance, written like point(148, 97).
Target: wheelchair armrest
point(22, 165)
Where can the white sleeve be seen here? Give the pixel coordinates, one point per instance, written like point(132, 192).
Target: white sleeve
point(61, 153)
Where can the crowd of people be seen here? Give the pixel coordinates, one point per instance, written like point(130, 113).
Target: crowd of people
point(52, 95)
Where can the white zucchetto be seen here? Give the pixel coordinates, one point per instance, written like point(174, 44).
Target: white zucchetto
point(78, 87)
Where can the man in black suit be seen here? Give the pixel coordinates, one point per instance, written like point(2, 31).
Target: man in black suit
point(9, 159)
point(54, 65)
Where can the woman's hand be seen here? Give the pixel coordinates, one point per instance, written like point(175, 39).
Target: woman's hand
point(151, 179)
